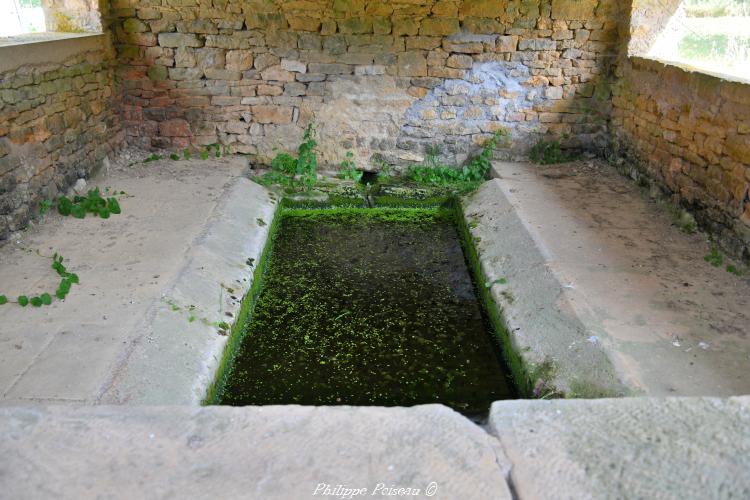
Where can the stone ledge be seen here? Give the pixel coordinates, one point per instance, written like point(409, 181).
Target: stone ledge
point(27, 50)
point(253, 452)
point(145, 325)
point(651, 62)
point(626, 448)
point(602, 283)
point(562, 449)
point(546, 332)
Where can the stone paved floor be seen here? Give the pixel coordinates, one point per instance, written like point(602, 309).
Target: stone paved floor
point(640, 289)
point(99, 344)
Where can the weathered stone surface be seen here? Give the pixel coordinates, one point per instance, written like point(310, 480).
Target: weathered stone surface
point(277, 73)
point(412, 64)
point(507, 43)
point(179, 40)
point(239, 60)
point(483, 8)
point(272, 452)
point(644, 356)
point(272, 114)
point(626, 448)
point(438, 26)
point(581, 10)
point(294, 66)
point(175, 128)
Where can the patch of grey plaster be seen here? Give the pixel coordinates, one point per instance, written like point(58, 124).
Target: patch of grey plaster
point(491, 96)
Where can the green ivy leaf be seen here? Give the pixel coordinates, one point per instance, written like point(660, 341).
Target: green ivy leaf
point(46, 299)
point(3, 300)
point(64, 206)
point(114, 206)
point(78, 211)
point(23, 300)
point(36, 301)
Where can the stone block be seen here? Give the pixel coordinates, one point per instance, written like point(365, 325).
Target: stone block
point(463, 47)
point(294, 66)
point(179, 40)
point(423, 42)
point(212, 58)
point(537, 44)
point(277, 73)
point(506, 43)
point(460, 61)
point(738, 148)
point(355, 25)
point(483, 8)
point(553, 93)
point(304, 23)
point(481, 25)
point(265, 60)
point(157, 73)
point(174, 128)
point(331, 69)
point(439, 26)
point(382, 26)
point(266, 21)
point(580, 10)
point(185, 73)
point(270, 90)
point(295, 89)
point(412, 64)
point(405, 26)
point(222, 74)
point(369, 70)
point(273, 114)
point(133, 25)
point(239, 60)
point(184, 57)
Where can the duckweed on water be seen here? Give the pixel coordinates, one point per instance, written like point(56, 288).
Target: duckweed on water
point(367, 307)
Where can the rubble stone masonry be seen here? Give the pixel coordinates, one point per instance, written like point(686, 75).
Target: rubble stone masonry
point(688, 133)
point(389, 80)
point(58, 121)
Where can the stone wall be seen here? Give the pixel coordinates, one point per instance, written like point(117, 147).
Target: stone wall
point(58, 121)
point(389, 80)
point(688, 134)
point(74, 15)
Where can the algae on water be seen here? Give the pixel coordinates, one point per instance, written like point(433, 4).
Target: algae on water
point(367, 307)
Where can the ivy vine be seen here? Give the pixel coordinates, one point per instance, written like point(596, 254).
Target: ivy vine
point(93, 203)
point(67, 280)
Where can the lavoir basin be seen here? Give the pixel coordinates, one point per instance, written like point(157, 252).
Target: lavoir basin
point(364, 307)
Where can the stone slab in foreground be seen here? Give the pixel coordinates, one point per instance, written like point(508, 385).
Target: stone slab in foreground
point(677, 448)
point(253, 452)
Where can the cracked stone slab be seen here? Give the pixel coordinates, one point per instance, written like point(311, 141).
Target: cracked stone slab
point(252, 452)
point(672, 448)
